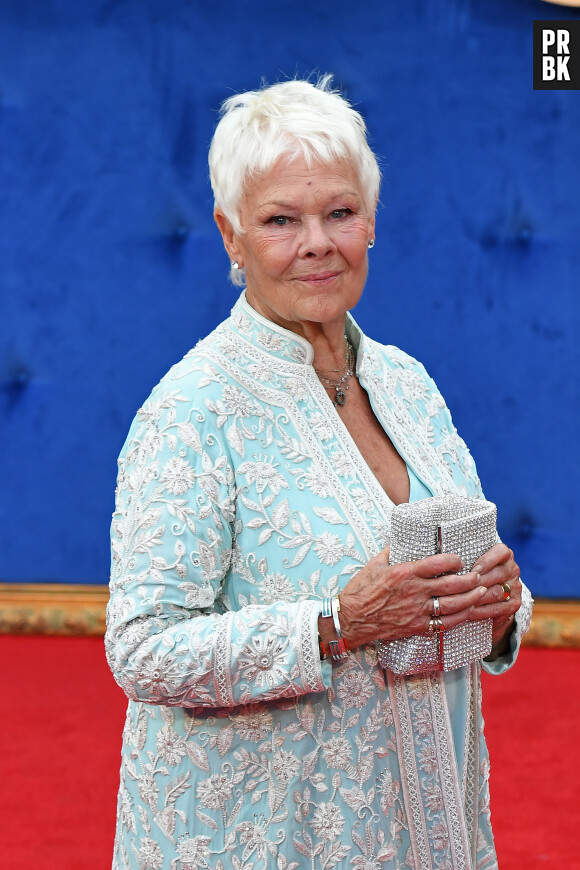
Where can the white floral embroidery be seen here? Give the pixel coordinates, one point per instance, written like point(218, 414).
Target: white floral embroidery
point(329, 548)
point(321, 427)
point(388, 790)
point(363, 501)
point(177, 476)
point(270, 341)
point(148, 791)
point(328, 821)
point(264, 661)
point(276, 587)
point(252, 723)
point(215, 791)
point(253, 837)
point(263, 474)
point(236, 401)
point(260, 371)
point(317, 483)
point(413, 386)
point(194, 852)
point(150, 855)
point(341, 463)
point(159, 673)
point(337, 752)
point(355, 689)
point(170, 746)
point(285, 765)
point(296, 388)
point(231, 349)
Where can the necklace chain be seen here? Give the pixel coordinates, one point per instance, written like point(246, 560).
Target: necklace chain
point(342, 385)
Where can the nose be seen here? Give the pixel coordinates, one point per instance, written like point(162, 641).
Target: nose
point(315, 240)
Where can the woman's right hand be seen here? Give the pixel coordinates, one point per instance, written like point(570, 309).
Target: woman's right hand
point(392, 601)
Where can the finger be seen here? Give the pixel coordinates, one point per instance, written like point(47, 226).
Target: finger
point(435, 566)
point(452, 620)
point(503, 592)
point(452, 604)
point(503, 610)
point(383, 555)
point(499, 609)
point(453, 584)
point(508, 573)
point(497, 555)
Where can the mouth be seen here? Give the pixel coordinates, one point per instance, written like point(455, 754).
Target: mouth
point(319, 278)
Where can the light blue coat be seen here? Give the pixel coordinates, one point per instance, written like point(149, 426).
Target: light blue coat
point(242, 502)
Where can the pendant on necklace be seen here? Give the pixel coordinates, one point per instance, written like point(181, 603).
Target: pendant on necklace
point(340, 397)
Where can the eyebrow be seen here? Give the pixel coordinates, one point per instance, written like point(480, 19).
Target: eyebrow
point(286, 205)
point(275, 204)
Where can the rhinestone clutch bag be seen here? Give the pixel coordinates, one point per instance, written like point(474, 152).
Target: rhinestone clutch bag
point(443, 524)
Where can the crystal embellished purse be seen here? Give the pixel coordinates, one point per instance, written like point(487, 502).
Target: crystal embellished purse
point(442, 524)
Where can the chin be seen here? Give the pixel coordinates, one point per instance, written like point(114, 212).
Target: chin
point(335, 302)
point(323, 311)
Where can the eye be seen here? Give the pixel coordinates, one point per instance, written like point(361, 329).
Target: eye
point(338, 213)
point(279, 220)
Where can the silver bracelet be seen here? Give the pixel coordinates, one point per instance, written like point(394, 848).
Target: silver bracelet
point(337, 647)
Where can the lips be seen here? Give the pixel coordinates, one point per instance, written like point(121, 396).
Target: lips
point(318, 277)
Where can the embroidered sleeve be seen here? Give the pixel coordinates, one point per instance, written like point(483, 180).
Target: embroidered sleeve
point(170, 638)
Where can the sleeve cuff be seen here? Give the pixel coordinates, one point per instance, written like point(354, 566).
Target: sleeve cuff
point(522, 622)
point(317, 671)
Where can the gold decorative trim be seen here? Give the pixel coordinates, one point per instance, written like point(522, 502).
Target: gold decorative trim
point(62, 608)
point(555, 623)
point(52, 608)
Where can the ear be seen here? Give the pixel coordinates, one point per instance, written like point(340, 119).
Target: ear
point(229, 236)
point(371, 237)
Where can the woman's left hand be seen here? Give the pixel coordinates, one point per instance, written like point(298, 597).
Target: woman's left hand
point(499, 572)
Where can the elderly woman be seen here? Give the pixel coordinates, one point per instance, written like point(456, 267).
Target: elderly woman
point(250, 574)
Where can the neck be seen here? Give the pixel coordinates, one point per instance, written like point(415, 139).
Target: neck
point(328, 344)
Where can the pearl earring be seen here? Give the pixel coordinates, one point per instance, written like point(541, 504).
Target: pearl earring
point(371, 244)
point(234, 264)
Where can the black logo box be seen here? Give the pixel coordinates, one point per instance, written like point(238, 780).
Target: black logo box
point(551, 75)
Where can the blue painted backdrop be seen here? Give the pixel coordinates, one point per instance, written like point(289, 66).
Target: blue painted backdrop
point(111, 268)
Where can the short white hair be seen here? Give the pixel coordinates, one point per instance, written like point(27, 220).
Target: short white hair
point(293, 118)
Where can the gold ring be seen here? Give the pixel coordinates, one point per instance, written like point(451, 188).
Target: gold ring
point(436, 625)
point(506, 591)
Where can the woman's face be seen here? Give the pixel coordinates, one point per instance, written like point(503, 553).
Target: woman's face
point(304, 242)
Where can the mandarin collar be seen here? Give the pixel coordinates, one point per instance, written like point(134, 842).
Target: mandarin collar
point(280, 343)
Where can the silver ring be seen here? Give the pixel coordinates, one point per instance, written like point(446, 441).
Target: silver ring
point(436, 607)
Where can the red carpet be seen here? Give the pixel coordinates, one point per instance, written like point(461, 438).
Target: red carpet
point(62, 717)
